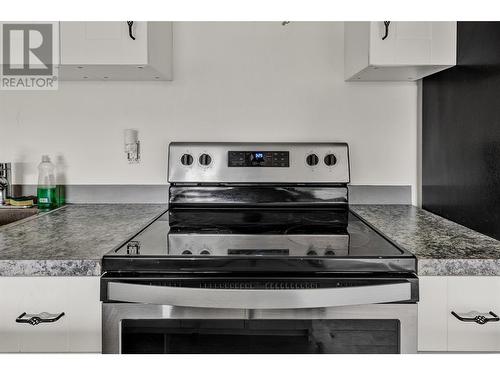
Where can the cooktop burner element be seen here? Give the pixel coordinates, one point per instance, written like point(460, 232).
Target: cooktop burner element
point(259, 208)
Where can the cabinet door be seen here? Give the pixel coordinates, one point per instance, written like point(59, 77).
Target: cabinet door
point(9, 310)
point(37, 295)
point(103, 43)
point(79, 330)
point(413, 43)
point(84, 315)
point(471, 296)
point(432, 314)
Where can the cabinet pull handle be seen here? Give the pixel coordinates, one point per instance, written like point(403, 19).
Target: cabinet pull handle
point(35, 319)
point(130, 33)
point(386, 25)
point(479, 319)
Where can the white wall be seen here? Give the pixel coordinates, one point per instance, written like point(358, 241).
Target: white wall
point(232, 82)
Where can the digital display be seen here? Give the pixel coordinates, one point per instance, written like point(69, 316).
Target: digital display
point(259, 159)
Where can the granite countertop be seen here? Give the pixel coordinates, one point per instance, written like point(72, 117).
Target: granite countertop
point(72, 240)
point(442, 247)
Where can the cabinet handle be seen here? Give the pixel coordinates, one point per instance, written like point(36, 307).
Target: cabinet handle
point(130, 33)
point(386, 25)
point(479, 319)
point(35, 319)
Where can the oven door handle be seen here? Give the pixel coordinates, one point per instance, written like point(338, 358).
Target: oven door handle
point(258, 298)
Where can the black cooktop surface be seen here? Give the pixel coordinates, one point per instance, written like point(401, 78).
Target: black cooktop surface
point(270, 240)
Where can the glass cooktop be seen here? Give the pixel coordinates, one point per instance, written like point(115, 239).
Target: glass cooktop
point(192, 238)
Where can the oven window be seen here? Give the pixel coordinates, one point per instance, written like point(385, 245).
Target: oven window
point(192, 336)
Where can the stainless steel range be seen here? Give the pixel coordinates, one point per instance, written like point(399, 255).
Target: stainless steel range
point(259, 253)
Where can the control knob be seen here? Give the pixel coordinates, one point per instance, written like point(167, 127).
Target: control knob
point(186, 159)
point(186, 252)
point(312, 159)
point(330, 160)
point(205, 159)
point(205, 252)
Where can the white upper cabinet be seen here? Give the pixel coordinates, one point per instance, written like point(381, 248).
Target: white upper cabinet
point(410, 51)
point(106, 51)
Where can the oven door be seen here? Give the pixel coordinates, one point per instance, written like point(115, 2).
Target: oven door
point(154, 329)
point(177, 320)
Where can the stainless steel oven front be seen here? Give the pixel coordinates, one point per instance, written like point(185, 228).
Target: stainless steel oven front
point(354, 317)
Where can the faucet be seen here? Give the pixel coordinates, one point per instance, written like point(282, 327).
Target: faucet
point(5, 182)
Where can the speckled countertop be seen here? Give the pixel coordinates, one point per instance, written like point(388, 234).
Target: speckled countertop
point(442, 247)
point(72, 240)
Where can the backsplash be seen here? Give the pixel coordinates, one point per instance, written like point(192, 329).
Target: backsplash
point(358, 194)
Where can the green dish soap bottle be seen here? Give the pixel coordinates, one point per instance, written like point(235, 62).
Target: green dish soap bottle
point(46, 191)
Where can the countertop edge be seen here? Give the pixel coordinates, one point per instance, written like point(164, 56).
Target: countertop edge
point(50, 267)
point(458, 267)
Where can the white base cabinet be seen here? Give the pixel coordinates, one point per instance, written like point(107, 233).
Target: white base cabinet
point(468, 297)
point(79, 330)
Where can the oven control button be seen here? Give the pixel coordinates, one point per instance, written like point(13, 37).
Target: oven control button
point(330, 160)
point(330, 252)
point(312, 253)
point(186, 252)
point(186, 159)
point(205, 252)
point(205, 159)
point(312, 160)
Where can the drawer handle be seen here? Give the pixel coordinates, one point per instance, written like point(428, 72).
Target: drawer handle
point(479, 319)
point(35, 319)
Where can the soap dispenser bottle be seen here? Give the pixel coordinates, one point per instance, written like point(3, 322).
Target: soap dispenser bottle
point(46, 191)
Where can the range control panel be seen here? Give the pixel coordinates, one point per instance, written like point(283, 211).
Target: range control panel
point(259, 159)
point(257, 163)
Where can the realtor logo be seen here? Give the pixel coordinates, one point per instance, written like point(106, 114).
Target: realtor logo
point(29, 56)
